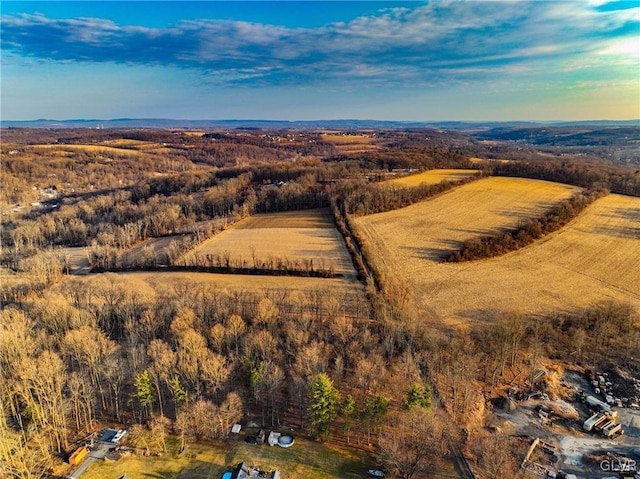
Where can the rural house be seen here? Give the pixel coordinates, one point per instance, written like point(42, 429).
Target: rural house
point(243, 471)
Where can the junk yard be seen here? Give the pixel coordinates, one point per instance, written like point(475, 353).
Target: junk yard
point(588, 428)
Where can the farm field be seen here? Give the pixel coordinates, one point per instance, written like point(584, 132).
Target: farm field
point(91, 148)
point(129, 143)
point(430, 229)
point(345, 139)
point(350, 144)
point(594, 258)
point(160, 280)
point(432, 177)
point(297, 236)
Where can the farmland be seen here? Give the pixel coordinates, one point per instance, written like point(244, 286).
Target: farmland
point(596, 257)
point(432, 177)
point(296, 236)
point(350, 144)
point(90, 148)
point(429, 229)
point(161, 280)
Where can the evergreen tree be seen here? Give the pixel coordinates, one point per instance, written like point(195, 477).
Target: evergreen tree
point(178, 391)
point(143, 392)
point(349, 412)
point(418, 396)
point(325, 400)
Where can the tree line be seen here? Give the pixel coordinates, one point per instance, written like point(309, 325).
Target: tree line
point(361, 199)
point(586, 175)
point(526, 233)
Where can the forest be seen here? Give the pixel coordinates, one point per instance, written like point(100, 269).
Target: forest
point(188, 359)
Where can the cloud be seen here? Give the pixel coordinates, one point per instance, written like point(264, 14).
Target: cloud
point(435, 42)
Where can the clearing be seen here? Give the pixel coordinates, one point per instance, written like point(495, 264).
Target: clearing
point(432, 177)
point(76, 258)
point(304, 459)
point(296, 236)
point(596, 257)
point(157, 248)
point(574, 445)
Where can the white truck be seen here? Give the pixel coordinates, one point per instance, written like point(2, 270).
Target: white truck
point(597, 420)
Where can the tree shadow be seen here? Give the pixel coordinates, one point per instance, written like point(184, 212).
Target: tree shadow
point(435, 254)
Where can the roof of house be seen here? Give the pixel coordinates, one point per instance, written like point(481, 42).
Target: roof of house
point(244, 471)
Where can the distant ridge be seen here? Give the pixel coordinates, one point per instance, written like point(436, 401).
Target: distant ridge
point(308, 124)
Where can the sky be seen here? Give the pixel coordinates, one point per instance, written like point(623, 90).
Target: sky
point(444, 60)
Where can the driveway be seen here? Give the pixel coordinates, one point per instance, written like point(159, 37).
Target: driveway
point(99, 452)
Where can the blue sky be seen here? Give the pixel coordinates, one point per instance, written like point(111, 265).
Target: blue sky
point(291, 60)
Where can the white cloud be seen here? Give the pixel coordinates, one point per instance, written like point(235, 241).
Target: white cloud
point(442, 40)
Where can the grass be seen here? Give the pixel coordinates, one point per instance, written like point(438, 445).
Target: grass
point(432, 177)
point(596, 257)
point(126, 142)
point(305, 459)
point(296, 236)
point(10, 278)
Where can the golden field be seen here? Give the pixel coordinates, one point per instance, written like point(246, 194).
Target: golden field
point(350, 144)
point(307, 235)
point(249, 282)
point(431, 229)
point(432, 177)
point(594, 258)
point(348, 139)
point(91, 148)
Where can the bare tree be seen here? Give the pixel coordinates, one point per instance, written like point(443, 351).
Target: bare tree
point(235, 329)
point(496, 456)
point(412, 442)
